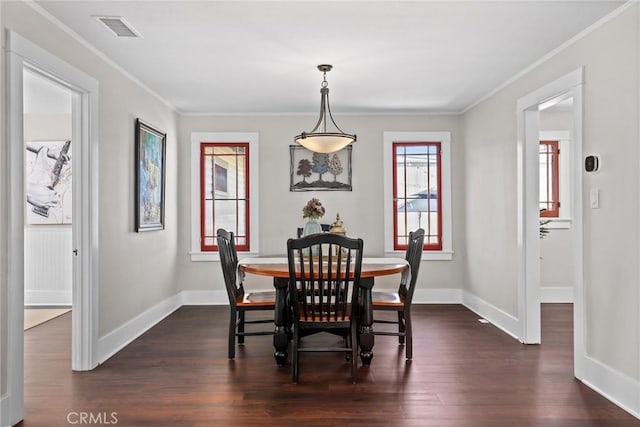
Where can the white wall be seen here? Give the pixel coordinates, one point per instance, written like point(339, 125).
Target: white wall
point(137, 270)
point(611, 236)
point(281, 210)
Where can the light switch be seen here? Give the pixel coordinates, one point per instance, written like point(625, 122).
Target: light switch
point(595, 198)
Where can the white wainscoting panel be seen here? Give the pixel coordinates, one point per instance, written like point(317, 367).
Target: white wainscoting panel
point(48, 265)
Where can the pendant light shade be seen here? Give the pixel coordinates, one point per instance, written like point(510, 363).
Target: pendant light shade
point(322, 139)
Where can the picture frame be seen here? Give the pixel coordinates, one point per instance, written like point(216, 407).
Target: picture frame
point(48, 182)
point(150, 161)
point(307, 169)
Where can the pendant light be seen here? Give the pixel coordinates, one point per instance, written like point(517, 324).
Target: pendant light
point(321, 140)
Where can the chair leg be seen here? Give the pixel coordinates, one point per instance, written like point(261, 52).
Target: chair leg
point(241, 327)
point(401, 327)
point(409, 334)
point(354, 355)
point(232, 333)
point(348, 344)
point(295, 357)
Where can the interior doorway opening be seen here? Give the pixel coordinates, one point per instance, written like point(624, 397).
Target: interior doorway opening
point(569, 86)
point(47, 127)
point(22, 57)
point(556, 176)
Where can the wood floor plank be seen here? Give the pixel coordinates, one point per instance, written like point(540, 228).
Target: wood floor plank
point(464, 373)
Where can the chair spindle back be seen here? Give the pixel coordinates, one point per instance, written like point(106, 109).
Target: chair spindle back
point(323, 286)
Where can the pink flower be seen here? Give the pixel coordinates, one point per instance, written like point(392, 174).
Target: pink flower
point(313, 209)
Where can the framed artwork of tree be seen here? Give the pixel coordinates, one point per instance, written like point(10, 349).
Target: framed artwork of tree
point(320, 172)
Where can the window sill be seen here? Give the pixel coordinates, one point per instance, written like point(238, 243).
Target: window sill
point(200, 256)
point(426, 255)
point(557, 223)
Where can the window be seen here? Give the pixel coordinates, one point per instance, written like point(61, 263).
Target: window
point(549, 179)
point(224, 189)
point(563, 177)
point(224, 193)
point(417, 191)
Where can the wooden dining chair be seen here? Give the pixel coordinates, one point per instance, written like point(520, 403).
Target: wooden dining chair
point(323, 291)
point(240, 301)
point(400, 301)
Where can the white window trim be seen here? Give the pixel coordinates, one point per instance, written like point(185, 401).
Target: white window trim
point(446, 254)
point(198, 137)
point(564, 144)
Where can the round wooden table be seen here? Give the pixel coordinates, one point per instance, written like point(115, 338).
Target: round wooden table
point(278, 268)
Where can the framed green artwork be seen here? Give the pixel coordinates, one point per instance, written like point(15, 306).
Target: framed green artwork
point(150, 176)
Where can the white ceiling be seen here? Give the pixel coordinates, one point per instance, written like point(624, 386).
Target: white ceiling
point(246, 57)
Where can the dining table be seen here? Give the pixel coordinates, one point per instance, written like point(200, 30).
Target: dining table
point(278, 269)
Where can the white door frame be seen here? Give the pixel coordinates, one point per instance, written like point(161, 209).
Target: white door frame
point(22, 53)
point(528, 121)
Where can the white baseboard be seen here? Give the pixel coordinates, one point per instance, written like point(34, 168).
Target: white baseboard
point(556, 294)
point(204, 297)
point(437, 296)
point(500, 319)
point(614, 386)
point(494, 315)
point(4, 411)
point(56, 298)
point(119, 338)
point(619, 388)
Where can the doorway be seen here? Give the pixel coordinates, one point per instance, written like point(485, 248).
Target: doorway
point(556, 175)
point(47, 128)
point(528, 110)
point(24, 55)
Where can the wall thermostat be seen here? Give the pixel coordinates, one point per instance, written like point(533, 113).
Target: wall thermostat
point(591, 163)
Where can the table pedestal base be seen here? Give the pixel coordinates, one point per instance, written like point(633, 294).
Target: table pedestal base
point(282, 334)
point(366, 339)
point(281, 344)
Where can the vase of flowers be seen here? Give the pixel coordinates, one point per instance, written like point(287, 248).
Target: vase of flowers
point(313, 210)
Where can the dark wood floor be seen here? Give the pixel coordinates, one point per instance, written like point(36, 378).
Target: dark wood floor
point(464, 373)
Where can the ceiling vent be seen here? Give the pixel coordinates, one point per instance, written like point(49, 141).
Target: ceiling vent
point(118, 26)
